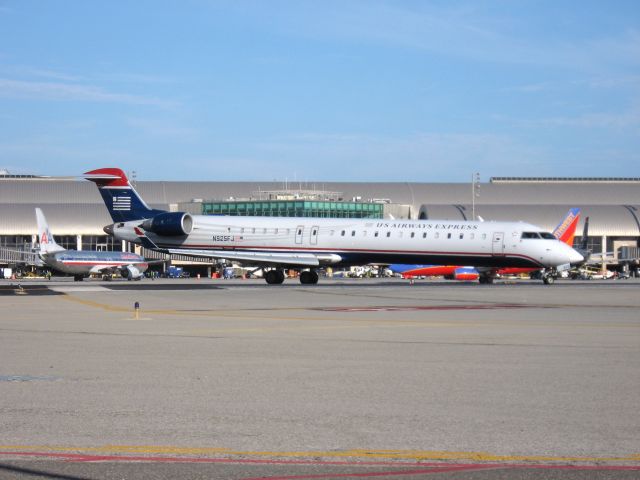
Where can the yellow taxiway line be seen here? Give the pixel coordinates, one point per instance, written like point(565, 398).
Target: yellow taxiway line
point(414, 455)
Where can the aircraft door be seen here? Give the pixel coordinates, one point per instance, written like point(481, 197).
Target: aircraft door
point(299, 233)
point(314, 235)
point(497, 246)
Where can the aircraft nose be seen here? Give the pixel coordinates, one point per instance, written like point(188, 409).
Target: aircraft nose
point(108, 229)
point(575, 257)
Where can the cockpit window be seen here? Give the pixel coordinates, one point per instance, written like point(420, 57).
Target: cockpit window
point(547, 236)
point(530, 235)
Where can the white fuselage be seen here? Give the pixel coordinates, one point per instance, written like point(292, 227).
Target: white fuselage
point(86, 262)
point(364, 241)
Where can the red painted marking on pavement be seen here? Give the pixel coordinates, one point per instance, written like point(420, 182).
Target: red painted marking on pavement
point(375, 474)
point(78, 457)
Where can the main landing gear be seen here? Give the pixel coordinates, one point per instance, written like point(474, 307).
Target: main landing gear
point(78, 278)
point(276, 277)
point(485, 279)
point(308, 277)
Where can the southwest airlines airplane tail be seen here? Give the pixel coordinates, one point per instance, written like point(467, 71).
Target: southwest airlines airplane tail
point(308, 244)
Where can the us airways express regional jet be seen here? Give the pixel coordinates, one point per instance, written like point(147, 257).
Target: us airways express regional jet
point(306, 244)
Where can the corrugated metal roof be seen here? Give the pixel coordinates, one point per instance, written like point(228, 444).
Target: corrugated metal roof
point(72, 219)
point(612, 220)
point(69, 191)
point(76, 206)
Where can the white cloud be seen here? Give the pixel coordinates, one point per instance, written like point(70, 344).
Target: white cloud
point(466, 31)
point(72, 92)
point(161, 128)
point(424, 156)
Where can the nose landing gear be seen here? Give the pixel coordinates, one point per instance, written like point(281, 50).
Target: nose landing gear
point(549, 277)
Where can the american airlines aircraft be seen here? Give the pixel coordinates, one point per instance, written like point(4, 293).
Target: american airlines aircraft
point(82, 263)
point(306, 244)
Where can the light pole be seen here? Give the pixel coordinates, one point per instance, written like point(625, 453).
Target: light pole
point(475, 192)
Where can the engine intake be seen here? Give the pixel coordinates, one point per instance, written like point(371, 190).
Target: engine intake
point(169, 224)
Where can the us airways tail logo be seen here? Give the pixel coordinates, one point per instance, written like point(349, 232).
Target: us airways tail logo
point(122, 203)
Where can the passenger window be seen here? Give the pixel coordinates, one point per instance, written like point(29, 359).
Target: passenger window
point(342, 233)
point(314, 232)
point(388, 234)
point(461, 236)
point(424, 235)
point(448, 235)
point(353, 233)
point(375, 234)
point(437, 235)
point(413, 234)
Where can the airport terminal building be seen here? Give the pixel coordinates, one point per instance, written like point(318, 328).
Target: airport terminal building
point(77, 215)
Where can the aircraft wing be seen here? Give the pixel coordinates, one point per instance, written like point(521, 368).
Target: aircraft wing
point(96, 269)
point(263, 258)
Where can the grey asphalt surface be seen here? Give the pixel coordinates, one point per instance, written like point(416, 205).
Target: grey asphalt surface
point(513, 373)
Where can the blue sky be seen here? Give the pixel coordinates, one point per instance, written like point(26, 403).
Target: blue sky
point(321, 90)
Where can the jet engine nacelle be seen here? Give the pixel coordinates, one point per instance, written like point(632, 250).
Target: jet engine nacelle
point(169, 224)
point(463, 274)
point(131, 272)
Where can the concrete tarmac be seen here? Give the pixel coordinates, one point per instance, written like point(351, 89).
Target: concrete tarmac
point(237, 379)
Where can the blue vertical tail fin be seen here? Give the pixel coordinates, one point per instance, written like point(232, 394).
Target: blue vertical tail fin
point(121, 199)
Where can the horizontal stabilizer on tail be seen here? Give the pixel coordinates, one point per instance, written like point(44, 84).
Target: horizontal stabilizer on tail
point(121, 199)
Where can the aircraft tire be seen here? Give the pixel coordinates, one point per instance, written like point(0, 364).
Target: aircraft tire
point(274, 277)
point(548, 280)
point(309, 277)
point(78, 278)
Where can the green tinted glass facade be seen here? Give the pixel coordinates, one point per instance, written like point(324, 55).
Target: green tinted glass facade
point(295, 208)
